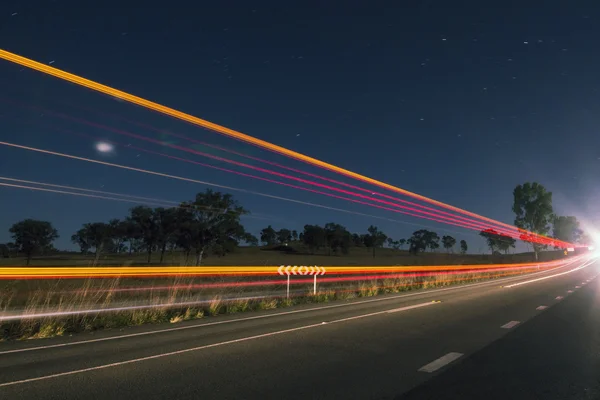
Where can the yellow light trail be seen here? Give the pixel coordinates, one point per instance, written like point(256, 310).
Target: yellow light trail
point(172, 271)
point(26, 62)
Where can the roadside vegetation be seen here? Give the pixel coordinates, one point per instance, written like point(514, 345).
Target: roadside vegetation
point(209, 228)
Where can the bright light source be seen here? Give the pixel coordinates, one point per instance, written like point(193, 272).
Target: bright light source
point(590, 248)
point(104, 147)
point(570, 249)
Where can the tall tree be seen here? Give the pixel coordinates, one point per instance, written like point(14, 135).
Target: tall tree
point(401, 243)
point(375, 238)
point(146, 226)
point(338, 238)
point(294, 235)
point(357, 240)
point(284, 236)
point(566, 229)
point(433, 241)
point(118, 235)
point(167, 222)
point(314, 237)
point(463, 247)
point(448, 242)
point(268, 236)
point(532, 206)
point(95, 235)
point(32, 236)
point(497, 241)
point(423, 239)
point(213, 223)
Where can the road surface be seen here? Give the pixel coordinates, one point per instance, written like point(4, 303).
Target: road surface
point(521, 337)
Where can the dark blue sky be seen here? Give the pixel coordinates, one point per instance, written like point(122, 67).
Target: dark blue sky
point(459, 102)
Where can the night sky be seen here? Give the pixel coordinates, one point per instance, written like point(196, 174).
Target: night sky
point(458, 101)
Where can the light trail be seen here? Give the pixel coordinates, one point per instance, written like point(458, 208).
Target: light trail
point(227, 187)
point(133, 197)
point(459, 223)
point(468, 224)
point(179, 271)
point(309, 280)
point(216, 185)
point(475, 225)
point(80, 194)
point(242, 137)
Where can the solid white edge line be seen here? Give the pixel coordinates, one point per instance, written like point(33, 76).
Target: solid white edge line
point(201, 325)
point(440, 362)
point(510, 324)
point(541, 308)
point(207, 346)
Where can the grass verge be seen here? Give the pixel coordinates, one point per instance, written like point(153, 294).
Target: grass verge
point(180, 301)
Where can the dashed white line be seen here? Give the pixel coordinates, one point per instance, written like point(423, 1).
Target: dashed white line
point(510, 324)
point(440, 362)
point(559, 297)
point(577, 287)
point(569, 291)
point(541, 307)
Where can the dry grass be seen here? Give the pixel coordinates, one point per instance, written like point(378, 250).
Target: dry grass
point(178, 300)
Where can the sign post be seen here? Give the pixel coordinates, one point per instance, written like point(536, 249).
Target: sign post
point(301, 270)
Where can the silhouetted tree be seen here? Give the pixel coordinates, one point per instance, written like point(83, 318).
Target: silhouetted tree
point(32, 236)
point(533, 209)
point(448, 242)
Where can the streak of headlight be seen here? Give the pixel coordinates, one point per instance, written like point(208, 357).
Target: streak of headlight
point(300, 281)
point(433, 217)
point(475, 225)
point(198, 181)
point(173, 203)
point(240, 136)
point(467, 223)
point(334, 181)
point(223, 186)
point(472, 224)
point(80, 194)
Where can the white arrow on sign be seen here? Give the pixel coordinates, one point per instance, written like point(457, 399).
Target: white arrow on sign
point(322, 271)
point(280, 270)
point(312, 270)
point(294, 270)
point(287, 269)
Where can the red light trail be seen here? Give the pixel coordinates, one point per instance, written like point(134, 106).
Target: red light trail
point(437, 217)
point(246, 138)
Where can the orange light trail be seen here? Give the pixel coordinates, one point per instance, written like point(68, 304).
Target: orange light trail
point(176, 271)
point(17, 59)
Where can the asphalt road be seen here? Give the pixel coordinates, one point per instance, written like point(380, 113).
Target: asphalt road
point(537, 339)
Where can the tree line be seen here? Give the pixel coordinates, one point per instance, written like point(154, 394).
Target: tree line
point(336, 239)
point(210, 224)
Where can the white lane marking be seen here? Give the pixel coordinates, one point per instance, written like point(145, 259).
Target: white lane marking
point(207, 346)
point(569, 291)
point(541, 307)
point(440, 362)
point(201, 325)
point(559, 297)
point(411, 307)
point(510, 324)
point(577, 287)
point(551, 276)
